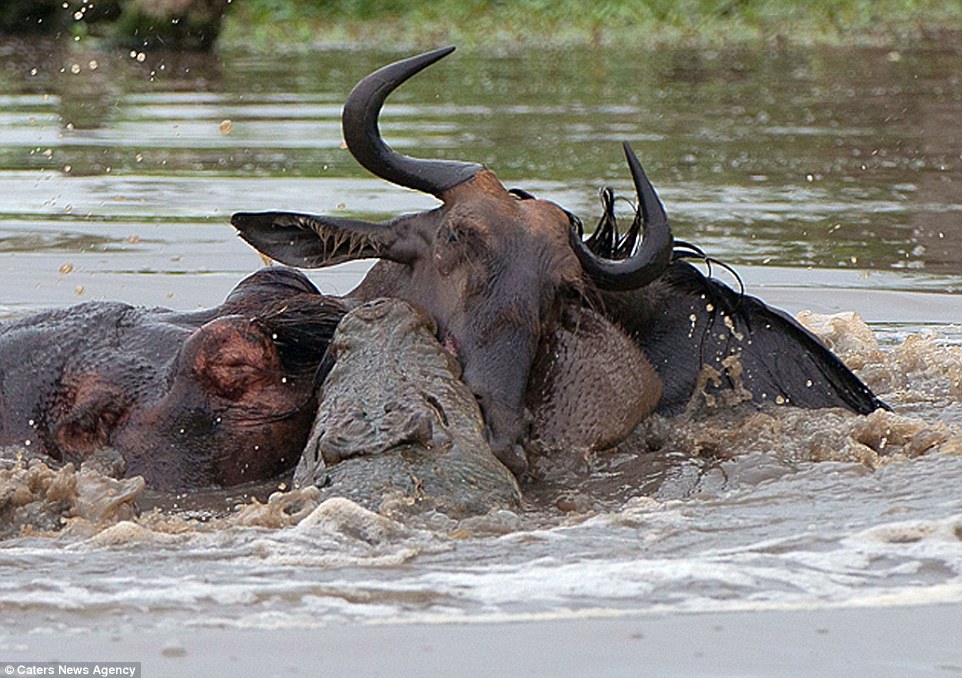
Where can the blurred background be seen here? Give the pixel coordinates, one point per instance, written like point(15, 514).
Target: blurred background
point(271, 24)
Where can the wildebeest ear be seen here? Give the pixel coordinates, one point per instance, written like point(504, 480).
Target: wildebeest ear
point(310, 241)
point(747, 343)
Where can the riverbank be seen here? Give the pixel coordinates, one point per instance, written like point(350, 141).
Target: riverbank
point(299, 24)
point(863, 641)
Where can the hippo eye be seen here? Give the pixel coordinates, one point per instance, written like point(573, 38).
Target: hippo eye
point(521, 193)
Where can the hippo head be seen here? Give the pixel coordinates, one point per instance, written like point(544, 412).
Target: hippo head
point(212, 398)
point(231, 413)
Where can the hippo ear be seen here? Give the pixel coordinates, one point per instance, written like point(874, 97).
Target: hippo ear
point(93, 409)
point(232, 358)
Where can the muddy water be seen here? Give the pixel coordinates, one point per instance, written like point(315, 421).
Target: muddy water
point(832, 180)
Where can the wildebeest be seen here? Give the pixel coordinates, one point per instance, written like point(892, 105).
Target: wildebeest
point(520, 298)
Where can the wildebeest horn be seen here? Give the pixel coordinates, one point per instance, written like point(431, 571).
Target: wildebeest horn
point(654, 255)
point(359, 123)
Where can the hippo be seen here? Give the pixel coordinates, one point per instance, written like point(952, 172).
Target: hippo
point(194, 399)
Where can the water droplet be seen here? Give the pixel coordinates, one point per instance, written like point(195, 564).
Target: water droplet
point(174, 649)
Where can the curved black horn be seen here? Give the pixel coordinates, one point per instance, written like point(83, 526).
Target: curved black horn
point(654, 255)
point(359, 124)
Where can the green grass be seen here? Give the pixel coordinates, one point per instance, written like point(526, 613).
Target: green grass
point(294, 24)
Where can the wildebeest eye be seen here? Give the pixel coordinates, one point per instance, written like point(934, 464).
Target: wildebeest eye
point(450, 233)
point(452, 245)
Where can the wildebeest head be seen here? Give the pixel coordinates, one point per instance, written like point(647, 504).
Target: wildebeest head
point(493, 267)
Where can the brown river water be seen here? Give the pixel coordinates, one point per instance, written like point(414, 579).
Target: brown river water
point(830, 178)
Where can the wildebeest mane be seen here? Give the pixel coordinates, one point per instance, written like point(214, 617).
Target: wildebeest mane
point(302, 328)
point(689, 321)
